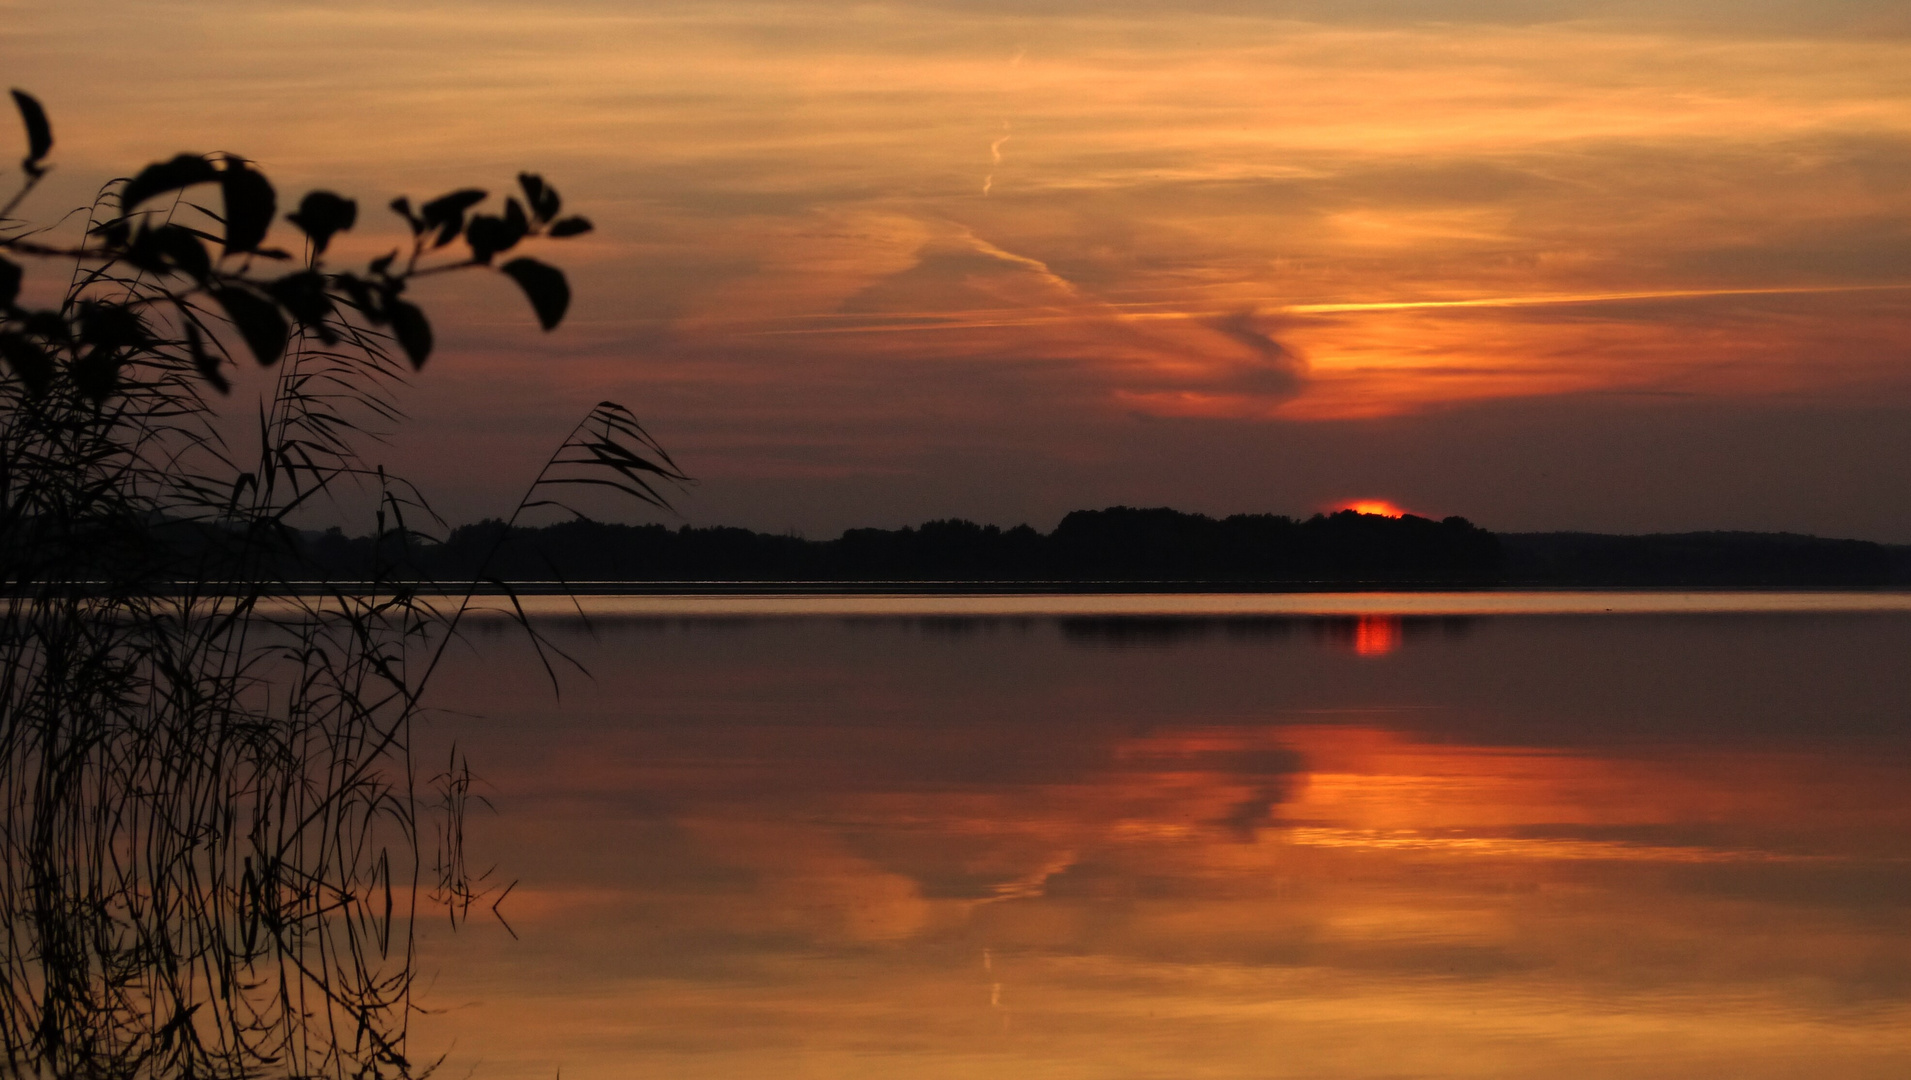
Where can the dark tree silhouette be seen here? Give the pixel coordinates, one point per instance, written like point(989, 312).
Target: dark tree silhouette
point(1116, 547)
point(213, 837)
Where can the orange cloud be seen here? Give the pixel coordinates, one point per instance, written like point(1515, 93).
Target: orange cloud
point(1422, 215)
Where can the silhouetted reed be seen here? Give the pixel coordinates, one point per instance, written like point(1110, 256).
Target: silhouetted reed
point(214, 840)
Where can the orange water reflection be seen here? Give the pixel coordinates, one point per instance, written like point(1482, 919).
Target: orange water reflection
point(840, 849)
point(1365, 635)
point(1376, 635)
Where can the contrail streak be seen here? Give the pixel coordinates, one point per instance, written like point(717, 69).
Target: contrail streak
point(995, 158)
point(905, 322)
point(1579, 298)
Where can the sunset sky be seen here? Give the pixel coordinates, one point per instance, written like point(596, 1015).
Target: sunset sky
point(1625, 266)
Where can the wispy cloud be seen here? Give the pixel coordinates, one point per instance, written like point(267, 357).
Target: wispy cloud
point(1590, 198)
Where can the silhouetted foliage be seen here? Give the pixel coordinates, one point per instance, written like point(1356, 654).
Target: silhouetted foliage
point(1126, 547)
point(1702, 559)
point(1124, 543)
point(1119, 544)
point(212, 831)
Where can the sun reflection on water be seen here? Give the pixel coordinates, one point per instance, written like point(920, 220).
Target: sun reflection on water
point(1376, 635)
point(780, 848)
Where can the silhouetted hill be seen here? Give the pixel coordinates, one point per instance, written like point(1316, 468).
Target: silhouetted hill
point(1131, 547)
point(1701, 559)
point(1120, 544)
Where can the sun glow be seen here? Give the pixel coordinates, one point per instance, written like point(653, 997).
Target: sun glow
point(1376, 635)
point(1379, 507)
point(1364, 635)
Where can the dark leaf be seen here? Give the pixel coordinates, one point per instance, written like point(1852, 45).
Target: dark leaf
point(46, 324)
point(97, 374)
point(488, 234)
point(258, 321)
point(250, 205)
point(549, 293)
point(447, 207)
point(144, 253)
point(39, 132)
point(163, 176)
point(183, 249)
point(514, 216)
point(303, 294)
point(413, 331)
point(110, 327)
point(544, 201)
point(28, 360)
point(383, 263)
point(321, 214)
point(208, 364)
point(169, 248)
point(10, 274)
point(571, 226)
point(402, 207)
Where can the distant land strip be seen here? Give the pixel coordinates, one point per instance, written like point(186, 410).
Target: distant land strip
point(1117, 549)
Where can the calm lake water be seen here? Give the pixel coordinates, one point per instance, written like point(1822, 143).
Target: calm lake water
point(1249, 844)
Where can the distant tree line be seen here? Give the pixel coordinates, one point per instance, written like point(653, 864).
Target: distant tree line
point(1702, 559)
point(1128, 545)
point(1119, 544)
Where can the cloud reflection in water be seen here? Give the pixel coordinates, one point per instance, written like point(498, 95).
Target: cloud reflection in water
point(851, 848)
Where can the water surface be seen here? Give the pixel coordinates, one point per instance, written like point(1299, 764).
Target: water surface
point(1176, 845)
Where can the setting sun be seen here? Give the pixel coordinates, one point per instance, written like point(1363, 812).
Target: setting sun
point(1380, 507)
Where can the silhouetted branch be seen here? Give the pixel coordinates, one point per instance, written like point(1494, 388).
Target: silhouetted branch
point(210, 821)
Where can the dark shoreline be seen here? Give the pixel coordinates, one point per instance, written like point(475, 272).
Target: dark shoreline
point(1035, 588)
point(1119, 549)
